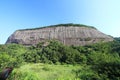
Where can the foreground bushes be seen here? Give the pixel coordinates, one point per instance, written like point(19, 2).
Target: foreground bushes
point(100, 61)
point(40, 71)
point(11, 55)
point(23, 75)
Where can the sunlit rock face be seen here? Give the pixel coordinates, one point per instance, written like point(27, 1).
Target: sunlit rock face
point(67, 34)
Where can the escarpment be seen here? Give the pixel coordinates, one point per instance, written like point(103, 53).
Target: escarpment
point(67, 34)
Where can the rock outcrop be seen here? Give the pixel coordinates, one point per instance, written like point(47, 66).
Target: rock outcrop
point(69, 34)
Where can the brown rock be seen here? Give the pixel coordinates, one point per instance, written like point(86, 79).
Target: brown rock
point(67, 34)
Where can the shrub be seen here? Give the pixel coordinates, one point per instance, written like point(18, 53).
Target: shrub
point(23, 75)
point(31, 56)
point(8, 61)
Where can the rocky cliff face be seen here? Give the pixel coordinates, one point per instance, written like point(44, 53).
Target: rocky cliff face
point(69, 35)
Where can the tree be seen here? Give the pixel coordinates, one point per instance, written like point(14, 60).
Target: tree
point(31, 56)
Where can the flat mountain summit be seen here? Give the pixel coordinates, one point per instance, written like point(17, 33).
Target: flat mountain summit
point(68, 34)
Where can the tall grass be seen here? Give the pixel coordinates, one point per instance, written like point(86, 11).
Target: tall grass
point(41, 71)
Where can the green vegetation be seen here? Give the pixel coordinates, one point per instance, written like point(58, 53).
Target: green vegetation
point(55, 61)
point(42, 71)
point(60, 25)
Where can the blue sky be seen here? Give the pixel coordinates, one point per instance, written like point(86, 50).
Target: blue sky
point(22, 14)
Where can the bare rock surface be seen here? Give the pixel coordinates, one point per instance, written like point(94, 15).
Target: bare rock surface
point(68, 35)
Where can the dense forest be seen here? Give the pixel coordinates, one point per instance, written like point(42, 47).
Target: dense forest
point(100, 61)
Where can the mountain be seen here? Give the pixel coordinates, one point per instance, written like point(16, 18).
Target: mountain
point(69, 34)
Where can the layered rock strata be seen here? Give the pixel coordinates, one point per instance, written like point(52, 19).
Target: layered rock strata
point(70, 35)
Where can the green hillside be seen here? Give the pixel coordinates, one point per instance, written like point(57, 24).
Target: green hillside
point(55, 61)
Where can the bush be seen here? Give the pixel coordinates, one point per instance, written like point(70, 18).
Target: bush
point(23, 75)
point(8, 61)
point(106, 65)
point(11, 55)
point(86, 73)
point(31, 56)
point(111, 69)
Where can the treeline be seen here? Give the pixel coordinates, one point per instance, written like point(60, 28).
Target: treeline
point(101, 60)
point(65, 25)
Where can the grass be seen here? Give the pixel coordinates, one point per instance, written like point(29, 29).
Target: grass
point(42, 71)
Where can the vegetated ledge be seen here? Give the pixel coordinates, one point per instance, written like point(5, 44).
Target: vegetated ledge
point(60, 25)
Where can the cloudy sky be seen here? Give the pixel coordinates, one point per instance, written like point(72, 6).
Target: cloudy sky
point(22, 14)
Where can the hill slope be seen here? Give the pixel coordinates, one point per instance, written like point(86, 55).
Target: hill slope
point(69, 34)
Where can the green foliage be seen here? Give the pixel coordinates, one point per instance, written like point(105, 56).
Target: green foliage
point(10, 55)
point(60, 25)
point(88, 39)
point(71, 24)
point(41, 71)
point(6, 60)
point(23, 75)
point(110, 69)
point(71, 56)
point(56, 52)
point(100, 61)
point(86, 73)
point(106, 64)
point(31, 56)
